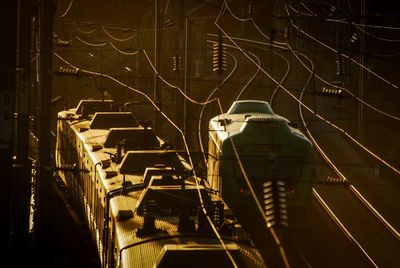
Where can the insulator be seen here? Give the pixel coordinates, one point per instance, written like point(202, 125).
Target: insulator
point(68, 71)
point(339, 67)
point(332, 11)
point(177, 62)
point(267, 196)
point(219, 57)
point(353, 37)
point(287, 32)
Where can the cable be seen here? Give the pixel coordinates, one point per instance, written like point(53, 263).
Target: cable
point(82, 31)
point(117, 39)
point(176, 127)
point(268, 224)
point(176, 87)
point(288, 47)
point(344, 55)
point(66, 11)
point(202, 109)
point(313, 112)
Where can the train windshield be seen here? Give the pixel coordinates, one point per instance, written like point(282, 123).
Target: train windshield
point(240, 107)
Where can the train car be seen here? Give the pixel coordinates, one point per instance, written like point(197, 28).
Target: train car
point(143, 204)
point(256, 155)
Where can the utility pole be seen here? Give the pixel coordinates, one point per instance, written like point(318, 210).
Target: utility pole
point(21, 183)
point(43, 228)
point(179, 100)
point(8, 28)
point(187, 70)
point(158, 15)
point(361, 84)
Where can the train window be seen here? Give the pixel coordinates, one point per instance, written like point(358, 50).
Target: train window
point(240, 107)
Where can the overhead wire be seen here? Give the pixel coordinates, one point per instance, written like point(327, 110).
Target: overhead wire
point(115, 38)
point(97, 45)
point(87, 72)
point(83, 31)
point(349, 92)
point(241, 166)
point(347, 21)
point(67, 10)
point(343, 55)
point(344, 89)
point(313, 112)
point(173, 86)
point(251, 78)
point(223, 81)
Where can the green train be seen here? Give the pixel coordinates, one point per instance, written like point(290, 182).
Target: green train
point(261, 166)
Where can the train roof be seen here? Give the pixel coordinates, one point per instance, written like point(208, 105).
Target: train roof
point(135, 162)
point(167, 246)
point(249, 113)
point(250, 106)
point(138, 137)
point(89, 107)
point(104, 131)
point(136, 177)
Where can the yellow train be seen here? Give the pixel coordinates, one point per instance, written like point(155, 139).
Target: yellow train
point(143, 204)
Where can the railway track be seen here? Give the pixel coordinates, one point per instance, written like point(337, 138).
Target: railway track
point(362, 224)
point(356, 217)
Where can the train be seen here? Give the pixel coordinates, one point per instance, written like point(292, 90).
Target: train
point(260, 163)
point(143, 204)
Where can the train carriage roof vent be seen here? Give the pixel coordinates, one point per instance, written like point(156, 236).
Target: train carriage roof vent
point(124, 215)
point(107, 120)
point(250, 106)
point(92, 106)
point(263, 122)
point(257, 118)
point(137, 138)
point(136, 162)
point(111, 173)
point(95, 147)
point(165, 173)
point(167, 198)
point(266, 120)
point(105, 163)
